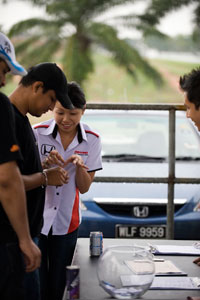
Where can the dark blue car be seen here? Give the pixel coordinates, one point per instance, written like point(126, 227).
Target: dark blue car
point(135, 144)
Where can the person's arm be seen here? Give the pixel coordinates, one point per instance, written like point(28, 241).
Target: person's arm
point(83, 178)
point(13, 201)
point(55, 176)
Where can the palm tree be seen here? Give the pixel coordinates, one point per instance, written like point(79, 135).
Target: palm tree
point(40, 39)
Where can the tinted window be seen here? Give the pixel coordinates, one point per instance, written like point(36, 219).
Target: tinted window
point(142, 133)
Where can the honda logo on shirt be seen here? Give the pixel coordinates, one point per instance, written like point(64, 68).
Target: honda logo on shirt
point(46, 149)
point(140, 211)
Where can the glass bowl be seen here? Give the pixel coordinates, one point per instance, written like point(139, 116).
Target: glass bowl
point(125, 272)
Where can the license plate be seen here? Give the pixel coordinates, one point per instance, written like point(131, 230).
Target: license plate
point(143, 232)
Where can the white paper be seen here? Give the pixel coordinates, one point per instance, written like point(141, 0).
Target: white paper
point(179, 250)
point(175, 283)
point(134, 280)
point(167, 267)
point(140, 266)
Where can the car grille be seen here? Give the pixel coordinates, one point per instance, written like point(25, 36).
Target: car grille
point(127, 209)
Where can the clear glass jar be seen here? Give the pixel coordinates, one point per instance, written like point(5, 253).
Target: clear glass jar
point(126, 272)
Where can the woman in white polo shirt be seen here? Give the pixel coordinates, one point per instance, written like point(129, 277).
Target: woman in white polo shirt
point(66, 141)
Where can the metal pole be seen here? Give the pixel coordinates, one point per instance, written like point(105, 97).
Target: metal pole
point(135, 106)
point(170, 204)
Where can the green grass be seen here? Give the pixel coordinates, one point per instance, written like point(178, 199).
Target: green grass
point(176, 68)
point(110, 83)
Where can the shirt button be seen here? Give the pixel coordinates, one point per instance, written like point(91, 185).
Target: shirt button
point(55, 207)
point(57, 193)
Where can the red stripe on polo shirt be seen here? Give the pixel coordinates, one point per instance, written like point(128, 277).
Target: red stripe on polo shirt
point(75, 214)
point(88, 131)
point(41, 126)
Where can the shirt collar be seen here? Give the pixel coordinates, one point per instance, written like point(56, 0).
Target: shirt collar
point(50, 129)
point(53, 129)
point(82, 132)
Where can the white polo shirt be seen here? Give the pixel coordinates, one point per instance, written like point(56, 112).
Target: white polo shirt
point(62, 209)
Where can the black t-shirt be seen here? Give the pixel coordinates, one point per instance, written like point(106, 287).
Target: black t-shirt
point(31, 164)
point(9, 151)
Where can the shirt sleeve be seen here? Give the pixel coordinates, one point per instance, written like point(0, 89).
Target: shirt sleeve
point(94, 160)
point(9, 148)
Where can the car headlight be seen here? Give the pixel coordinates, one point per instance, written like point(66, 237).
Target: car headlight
point(197, 207)
point(82, 205)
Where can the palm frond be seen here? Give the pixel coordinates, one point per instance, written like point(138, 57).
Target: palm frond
point(41, 53)
point(123, 54)
point(23, 26)
point(197, 15)
point(157, 9)
point(150, 31)
point(83, 9)
point(22, 46)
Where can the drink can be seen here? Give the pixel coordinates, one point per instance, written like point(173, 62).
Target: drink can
point(96, 243)
point(72, 283)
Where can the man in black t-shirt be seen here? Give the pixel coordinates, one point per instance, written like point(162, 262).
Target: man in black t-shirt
point(37, 93)
point(15, 238)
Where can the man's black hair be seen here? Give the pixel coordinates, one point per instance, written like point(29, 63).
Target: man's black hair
point(29, 80)
point(190, 83)
point(76, 95)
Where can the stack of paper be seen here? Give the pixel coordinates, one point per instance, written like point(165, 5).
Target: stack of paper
point(167, 267)
point(175, 250)
point(175, 283)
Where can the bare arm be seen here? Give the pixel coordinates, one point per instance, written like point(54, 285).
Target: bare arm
point(56, 176)
point(33, 181)
point(14, 203)
point(83, 177)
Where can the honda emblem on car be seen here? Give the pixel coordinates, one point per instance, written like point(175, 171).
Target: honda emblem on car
point(140, 211)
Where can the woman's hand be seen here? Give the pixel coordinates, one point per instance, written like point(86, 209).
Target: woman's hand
point(76, 160)
point(54, 158)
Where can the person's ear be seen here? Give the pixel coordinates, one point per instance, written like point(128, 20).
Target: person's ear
point(37, 85)
point(84, 108)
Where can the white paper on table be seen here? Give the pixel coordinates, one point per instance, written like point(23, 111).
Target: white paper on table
point(139, 266)
point(176, 250)
point(167, 267)
point(175, 283)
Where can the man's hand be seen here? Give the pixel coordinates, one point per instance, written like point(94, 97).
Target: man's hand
point(57, 176)
point(197, 261)
point(32, 255)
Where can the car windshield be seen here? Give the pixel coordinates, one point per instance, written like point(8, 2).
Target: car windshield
point(128, 135)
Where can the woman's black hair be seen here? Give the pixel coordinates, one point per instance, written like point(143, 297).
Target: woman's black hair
point(76, 95)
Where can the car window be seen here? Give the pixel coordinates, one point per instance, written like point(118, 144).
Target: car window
point(142, 133)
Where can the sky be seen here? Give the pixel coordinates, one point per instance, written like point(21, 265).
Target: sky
point(178, 22)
